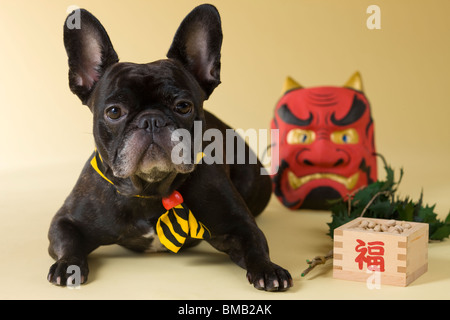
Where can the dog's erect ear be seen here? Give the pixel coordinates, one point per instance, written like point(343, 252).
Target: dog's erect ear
point(197, 45)
point(89, 50)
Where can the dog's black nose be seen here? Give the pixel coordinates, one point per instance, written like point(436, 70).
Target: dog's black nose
point(151, 122)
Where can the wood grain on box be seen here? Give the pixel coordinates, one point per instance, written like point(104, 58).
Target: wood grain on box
point(400, 258)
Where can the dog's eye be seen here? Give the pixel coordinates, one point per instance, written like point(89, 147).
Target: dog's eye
point(183, 107)
point(114, 113)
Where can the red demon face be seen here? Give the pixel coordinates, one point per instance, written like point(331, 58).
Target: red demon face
point(326, 145)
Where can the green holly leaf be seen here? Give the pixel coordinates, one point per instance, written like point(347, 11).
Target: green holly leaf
point(365, 194)
point(406, 210)
point(378, 200)
point(336, 222)
point(440, 232)
point(447, 220)
point(426, 214)
point(380, 209)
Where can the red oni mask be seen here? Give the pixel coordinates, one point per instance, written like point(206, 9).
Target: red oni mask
point(326, 145)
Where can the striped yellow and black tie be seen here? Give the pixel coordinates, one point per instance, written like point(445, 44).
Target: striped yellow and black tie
point(178, 223)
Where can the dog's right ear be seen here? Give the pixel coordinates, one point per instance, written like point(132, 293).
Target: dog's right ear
point(89, 50)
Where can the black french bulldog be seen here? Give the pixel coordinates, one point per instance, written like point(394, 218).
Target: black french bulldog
point(118, 198)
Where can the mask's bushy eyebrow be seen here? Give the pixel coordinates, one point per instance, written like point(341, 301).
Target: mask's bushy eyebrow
point(287, 116)
point(356, 111)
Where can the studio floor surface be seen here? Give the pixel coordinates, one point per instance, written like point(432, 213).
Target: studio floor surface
point(30, 199)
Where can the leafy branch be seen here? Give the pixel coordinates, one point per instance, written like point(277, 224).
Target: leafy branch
point(379, 200)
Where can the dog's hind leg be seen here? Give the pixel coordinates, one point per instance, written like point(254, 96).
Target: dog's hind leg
point(254, 187)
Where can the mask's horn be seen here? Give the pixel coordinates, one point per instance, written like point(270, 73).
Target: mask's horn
point(290, 84)
point(355, 82)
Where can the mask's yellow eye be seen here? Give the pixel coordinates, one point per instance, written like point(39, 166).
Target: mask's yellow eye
point(300, 136)
point(348, 136)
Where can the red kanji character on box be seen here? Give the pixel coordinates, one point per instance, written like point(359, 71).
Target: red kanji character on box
point(374, 259)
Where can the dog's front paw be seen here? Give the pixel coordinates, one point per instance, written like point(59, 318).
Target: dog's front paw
point(270, 278)
point(68, 273)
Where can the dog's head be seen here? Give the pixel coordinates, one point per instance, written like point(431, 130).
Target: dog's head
point(137, 107)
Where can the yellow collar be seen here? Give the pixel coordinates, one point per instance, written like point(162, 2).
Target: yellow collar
point(96, 159)
point(177, 223)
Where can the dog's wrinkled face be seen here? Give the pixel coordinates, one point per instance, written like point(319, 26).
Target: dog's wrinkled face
point(136, 109)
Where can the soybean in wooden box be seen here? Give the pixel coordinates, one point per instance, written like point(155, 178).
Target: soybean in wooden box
point(397, 257)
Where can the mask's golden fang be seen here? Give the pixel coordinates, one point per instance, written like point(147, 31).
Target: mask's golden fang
point(296, 182)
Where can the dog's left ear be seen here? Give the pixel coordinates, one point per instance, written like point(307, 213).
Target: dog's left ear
point(197, 45)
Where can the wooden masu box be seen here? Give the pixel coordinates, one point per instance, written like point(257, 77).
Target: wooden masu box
point(398, 259)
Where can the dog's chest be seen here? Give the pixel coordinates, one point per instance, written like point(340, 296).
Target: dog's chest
point(154, 244)
point(141, 235)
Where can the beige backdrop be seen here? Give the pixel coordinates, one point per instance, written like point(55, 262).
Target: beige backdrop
point(405, 68)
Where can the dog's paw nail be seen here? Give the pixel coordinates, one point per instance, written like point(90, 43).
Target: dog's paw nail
point(276, 284)
point(59, 274)
point(261, 283)
point(274, 278)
